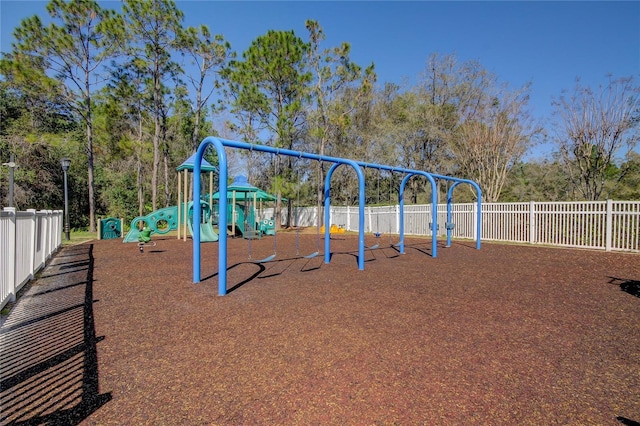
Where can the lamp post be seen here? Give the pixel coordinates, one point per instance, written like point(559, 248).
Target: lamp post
point(65, 166)
point(12, 165)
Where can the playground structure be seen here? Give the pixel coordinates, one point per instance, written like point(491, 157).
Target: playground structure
point(160, 222)
point(183, 207)
point(247, 218)
point(220, 144)
point(173, 218)
point(241, 217)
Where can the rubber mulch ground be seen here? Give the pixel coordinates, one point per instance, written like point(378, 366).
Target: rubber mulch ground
point(500, 336)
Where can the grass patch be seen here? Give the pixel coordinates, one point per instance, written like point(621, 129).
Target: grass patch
point(78, 237)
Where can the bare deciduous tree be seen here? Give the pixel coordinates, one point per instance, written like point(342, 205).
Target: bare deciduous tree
point(489, 145)
point(593, 127)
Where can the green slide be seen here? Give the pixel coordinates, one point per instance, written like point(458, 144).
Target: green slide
point(207, 234)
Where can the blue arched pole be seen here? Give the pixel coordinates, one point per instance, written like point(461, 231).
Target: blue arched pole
point(410, 173)
point(327, 213)
point(219, 145)
point(222, 211)
point(434, 210)
point(478, 208)
point(434, 213)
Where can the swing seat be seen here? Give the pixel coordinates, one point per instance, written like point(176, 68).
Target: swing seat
point(266, 259)
point(377, 244)
point(312, 255)
point(450, 225)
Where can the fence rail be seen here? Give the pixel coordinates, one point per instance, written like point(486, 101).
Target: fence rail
point(606, 225)
point(27, 241)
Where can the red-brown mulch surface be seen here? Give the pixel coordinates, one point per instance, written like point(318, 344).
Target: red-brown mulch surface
point(503, 335)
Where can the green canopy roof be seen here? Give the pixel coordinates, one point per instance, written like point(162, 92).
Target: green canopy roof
point(244, 190)
point(190, 162)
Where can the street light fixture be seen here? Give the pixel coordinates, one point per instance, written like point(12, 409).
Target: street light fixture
point(12, 165)
point(65, 166)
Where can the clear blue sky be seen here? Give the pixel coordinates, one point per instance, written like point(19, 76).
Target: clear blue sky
point(546, 43)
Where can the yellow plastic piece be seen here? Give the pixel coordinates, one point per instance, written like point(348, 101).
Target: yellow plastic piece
point(334, 229)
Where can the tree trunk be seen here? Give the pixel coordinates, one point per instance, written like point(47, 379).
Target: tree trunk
point(156, 166)
point(90, 179)
point(276, 213)
point(196, 124)
point(167, 194)
point(321, 185)
point(139, 184)
point(156, 138)
point(196, 131)
point(165, 160)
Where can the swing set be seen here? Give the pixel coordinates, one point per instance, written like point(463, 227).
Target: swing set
point(220, 144)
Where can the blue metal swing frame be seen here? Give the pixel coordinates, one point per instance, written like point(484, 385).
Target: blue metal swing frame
point(219, 144)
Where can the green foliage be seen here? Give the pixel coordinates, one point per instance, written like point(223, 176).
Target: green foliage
point(38, 138)
point(210, 54)
point(537, 181)
point(269, 85)
point(118, 194)
point(627, 184)
point(60, 62)
point(122, 126)
point(154, 28)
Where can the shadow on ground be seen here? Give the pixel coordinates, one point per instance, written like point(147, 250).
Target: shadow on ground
point(628, 286)
point(48, 365)
point(627, 422)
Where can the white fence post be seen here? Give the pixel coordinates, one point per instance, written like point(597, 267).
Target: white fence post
point(51, 233)
point(33, 229)
point(609, 226)
point(8, 260)
point(49, 216)
point(474, 215)
point(532, 222)
point(42, 228)
point(331, 215)
point(396, 209)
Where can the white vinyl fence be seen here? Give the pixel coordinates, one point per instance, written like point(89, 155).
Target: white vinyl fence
point(607, 225)
point(27, 241)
